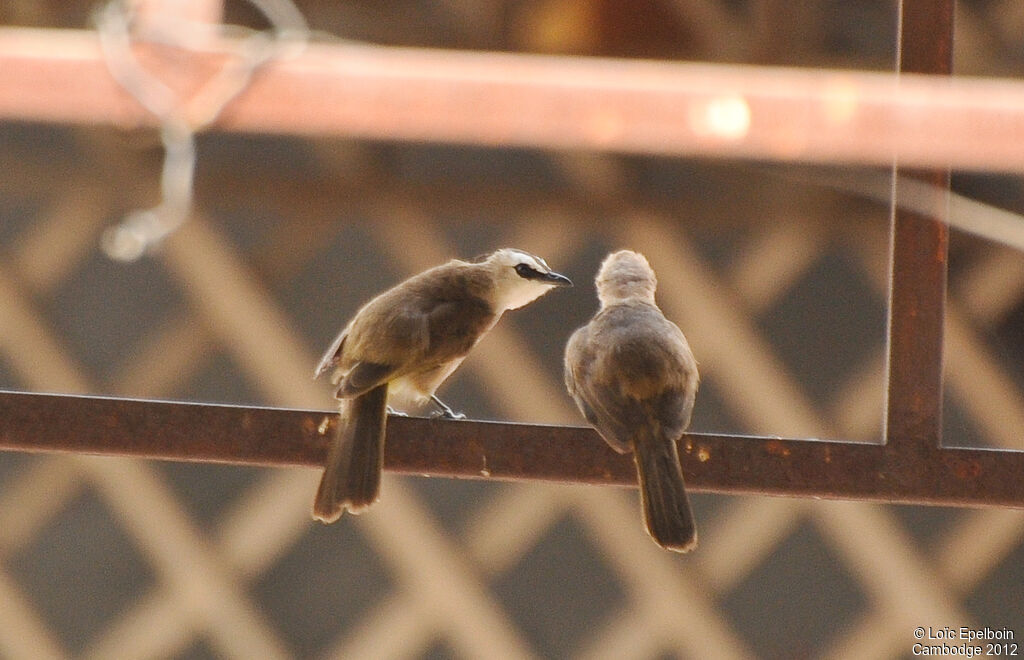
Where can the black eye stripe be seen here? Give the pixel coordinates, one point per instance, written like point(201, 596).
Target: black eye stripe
point(527, 272)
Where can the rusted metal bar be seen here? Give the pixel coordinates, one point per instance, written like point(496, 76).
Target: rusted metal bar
point(470, 449)
point(926, 36)
point(919, 255)
point(553, 102)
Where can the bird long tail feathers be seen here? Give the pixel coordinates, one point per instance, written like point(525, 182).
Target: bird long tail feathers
point(666, 507)
point(351, 478)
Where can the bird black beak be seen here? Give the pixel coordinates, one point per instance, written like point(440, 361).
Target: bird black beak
point(557, 279)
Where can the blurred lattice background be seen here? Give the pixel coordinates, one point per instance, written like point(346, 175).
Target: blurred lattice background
point(779, 284)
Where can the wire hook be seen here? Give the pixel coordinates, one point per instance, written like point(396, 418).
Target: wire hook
point(181, 118)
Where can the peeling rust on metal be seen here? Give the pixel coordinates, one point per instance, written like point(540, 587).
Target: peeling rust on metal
point(964, 470)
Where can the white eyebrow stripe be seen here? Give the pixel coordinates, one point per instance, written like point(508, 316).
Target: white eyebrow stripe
point(531, 260)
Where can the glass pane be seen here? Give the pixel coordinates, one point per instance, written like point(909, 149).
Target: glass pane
point(984, 354)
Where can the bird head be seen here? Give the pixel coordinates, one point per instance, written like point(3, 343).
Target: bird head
point(625, 275)
point(521, 278)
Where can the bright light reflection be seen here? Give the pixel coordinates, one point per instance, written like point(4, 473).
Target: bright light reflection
point(726, 117)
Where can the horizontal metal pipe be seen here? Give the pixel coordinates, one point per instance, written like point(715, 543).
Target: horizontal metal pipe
point(470, 449)
point(506, 99)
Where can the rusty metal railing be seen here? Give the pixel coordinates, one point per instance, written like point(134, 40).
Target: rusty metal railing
point(895, 472)
point(657, 107)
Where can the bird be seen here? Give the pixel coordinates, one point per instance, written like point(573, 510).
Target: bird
point(634, 378)
point(403, 344)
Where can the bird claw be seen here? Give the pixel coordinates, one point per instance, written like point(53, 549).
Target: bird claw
point(445, 412)
point(396, 413)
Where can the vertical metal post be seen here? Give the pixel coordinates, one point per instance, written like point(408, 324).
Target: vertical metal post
point(919, 256)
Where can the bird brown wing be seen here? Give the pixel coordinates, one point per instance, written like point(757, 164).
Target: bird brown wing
point(579, 352)
point(363, 377)
point(455, 326)
point(333, 354)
